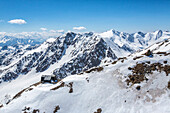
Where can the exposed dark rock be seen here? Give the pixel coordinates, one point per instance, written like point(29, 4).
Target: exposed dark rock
point(56, 109)
point(61, 85)
point(140, 70)
point(165, 62)
point(169, 85)
point(36, 111)
point(149, 53)
point(9, 76)
point(85, 61)
point(99, 110)
point(1, 105)
point(137, 57)
point(138, 87)
point(98, 69)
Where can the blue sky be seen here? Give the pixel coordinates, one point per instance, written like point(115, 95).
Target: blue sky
point(94, 15)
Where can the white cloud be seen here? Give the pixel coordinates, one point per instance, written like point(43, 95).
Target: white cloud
point(60, 31)
point(52, 31)
point(43, 29)
point(55, 31)
point(79, 28)
point(17, 21)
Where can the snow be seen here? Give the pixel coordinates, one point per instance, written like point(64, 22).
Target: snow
point(51, 40)
point(3, 40)
point(107, 34)
point(121, 38)
point(106, 89)
point(11, 88)
point(42, 47)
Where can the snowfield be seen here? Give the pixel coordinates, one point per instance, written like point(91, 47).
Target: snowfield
point(109, 88)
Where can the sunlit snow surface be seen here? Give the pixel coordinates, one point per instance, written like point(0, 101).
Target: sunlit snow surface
point(106, 90)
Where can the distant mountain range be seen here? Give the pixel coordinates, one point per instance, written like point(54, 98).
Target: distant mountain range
point(38, 36)
point(71, 53)
point(111, 72)
point(13, 41)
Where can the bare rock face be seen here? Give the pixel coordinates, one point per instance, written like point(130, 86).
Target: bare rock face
point(85, 61)
point(58, 48)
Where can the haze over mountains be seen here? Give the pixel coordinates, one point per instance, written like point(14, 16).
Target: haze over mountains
point(38, 36)
point(69, 56)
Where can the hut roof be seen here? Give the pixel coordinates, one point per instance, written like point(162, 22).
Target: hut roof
point(47, 77)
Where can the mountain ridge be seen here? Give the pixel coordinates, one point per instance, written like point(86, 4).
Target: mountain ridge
point(62, 53)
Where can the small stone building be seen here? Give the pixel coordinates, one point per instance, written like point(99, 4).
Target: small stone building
point(48, 78)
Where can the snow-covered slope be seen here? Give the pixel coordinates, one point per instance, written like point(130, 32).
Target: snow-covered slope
point(134, 41)
point(138, 83)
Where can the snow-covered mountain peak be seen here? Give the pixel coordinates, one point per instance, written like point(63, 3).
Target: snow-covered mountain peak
point(139, 34)
point(50, 40)
point(109, 33)
point(154, 35)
